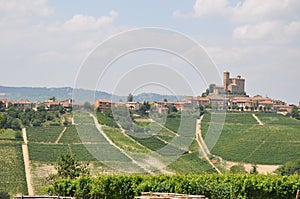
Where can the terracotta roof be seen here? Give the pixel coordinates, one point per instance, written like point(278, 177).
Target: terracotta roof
point(266, 102)
point(104, 101)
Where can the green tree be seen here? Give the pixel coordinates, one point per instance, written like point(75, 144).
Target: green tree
point(4, 195)
point(1, 118)
point(53, 98)
point(36, 122)
point(253, 169)
point(69, 167)
point(237, 169)
point(172, 108)
point(129, 97)
point(88, 106)
point(144, 108)
point(295, 112)
point(289, 168)
point(16, 124)
point(211, 88)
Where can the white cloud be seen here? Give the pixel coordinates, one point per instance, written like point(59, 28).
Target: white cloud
point(210, 8)
point(258, 31)
point(15, 10)
point(245, 11)
point(269, 31)
point(88, 23)
point(252, 11)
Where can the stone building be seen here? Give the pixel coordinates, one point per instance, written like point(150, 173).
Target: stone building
point(235, 85)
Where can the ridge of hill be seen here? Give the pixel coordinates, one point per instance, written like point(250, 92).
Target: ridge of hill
point(42, 93)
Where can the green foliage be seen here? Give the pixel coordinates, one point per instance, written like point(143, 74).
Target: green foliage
point(12, 173)
point(239, 168)
point(88, 106)
point(129, 97)
point(211, 185)
point(106, 118)
point(144, 109)
point(69, 167)
point(16, 118)
point(4, 195)
point(70, 136)
point(243, 140)
point(18, 135)
point(16, 124)
point(173, 121)
point(253, 169)
point(46, 152)
point(44, 134)
point(191, 163)
point(289, 168)
point(124, 141)
point(9, 134)
point(295, 112)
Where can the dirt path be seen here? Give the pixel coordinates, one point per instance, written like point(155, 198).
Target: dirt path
point(60, 135)
point(202, 145)
point(98, 126)
point(261, 168)
point(27, 163)
point(257, 119)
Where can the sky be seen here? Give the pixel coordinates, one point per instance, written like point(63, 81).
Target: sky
point(45, 43)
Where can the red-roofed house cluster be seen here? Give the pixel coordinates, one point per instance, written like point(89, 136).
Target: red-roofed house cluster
point(47, 104)
point(231, 96)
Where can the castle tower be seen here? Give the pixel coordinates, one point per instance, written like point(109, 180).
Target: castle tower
point(226, 80)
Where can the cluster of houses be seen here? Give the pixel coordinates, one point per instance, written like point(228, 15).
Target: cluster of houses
point(49, 104)
point(231, 96)
point(242, 103)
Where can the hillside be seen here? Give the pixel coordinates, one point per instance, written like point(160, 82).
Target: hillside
point(42, 93)
point(243, 139)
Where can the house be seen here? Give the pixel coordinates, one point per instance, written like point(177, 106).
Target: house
point(67, 103)
point(203, 101)
point(183, 106)
point(22, 104)
point(49, 104)
point(218, 102)
point(243, 103)
point(266, 104)
point(283, 109)
point(133, 105)
point(103, 105)
point(4, 103)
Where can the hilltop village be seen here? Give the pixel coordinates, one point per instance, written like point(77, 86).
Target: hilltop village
point(231, 96)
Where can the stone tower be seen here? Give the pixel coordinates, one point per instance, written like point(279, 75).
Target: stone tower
point(226, 80)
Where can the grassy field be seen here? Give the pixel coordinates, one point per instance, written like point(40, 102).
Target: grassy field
point(191, 164)
point(243, 140)
point(44, 134)
point(70, 136)
point(123, 141)
point(12, 173)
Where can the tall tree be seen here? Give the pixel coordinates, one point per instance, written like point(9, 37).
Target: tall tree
point(129, 97)
point(69, 167)
point(53, 98)
point(295, 113)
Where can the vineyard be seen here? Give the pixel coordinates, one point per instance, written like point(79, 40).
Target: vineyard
point(160, 143)
point(243, 140)
point(12, 173)
point(213, 186)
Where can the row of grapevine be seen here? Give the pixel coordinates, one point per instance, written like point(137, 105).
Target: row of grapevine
point(212, 186)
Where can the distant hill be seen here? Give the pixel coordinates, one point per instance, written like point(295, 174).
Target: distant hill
point(42, 93)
